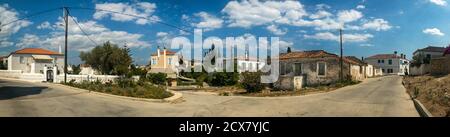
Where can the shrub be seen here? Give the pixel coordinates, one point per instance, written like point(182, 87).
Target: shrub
point(224, 79)
point(251, 81)
point(157, 78)
point(125, 82)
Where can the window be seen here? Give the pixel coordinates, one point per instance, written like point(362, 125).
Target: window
point(154, 61)
point(379, 61)
point(360, 69)
point(382, 61)
point(282, 68)
point(244, 66)
point(170, 61)
point(250, 66)
point(321, 66)
point(390, 62)
point(22, 60)
point(297, 69)
point(382, 70)
point(428, 56)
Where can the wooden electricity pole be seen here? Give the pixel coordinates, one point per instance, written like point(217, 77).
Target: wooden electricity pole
point(66, 19)
point(341, 74)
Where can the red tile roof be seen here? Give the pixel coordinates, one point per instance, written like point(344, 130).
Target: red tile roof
point(384, 56)
point(447, 51)
point(168, 52)
point(35, 51)
point(317, 54)
point(306, 54)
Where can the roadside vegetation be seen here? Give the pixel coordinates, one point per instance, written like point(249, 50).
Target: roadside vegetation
point(432, 91)
point(109, 59)
point(305, 91)
point(124, 87)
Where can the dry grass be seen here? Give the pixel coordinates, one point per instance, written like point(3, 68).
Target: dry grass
point(432, 91)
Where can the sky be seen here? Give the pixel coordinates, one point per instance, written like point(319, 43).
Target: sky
point(369, 26)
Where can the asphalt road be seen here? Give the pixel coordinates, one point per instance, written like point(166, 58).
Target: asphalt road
point(383, 96)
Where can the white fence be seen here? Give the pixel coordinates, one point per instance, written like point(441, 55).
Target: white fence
point(80, 78)
point(37, 77)
point(421, 70)
point(10, 73)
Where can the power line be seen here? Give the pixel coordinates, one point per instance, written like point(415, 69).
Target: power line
point(157, 21)
point(85, 34)
point(32, 15)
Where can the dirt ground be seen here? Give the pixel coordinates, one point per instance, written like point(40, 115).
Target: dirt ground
point(431, 91)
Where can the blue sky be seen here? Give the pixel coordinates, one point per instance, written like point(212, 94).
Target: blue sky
point(370, 26)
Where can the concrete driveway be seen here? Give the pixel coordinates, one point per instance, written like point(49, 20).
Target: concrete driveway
point(383, 96)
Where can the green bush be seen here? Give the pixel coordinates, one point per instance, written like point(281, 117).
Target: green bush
point(157, 78)
point(124, 87)
point(224, 79)
point(251, 81)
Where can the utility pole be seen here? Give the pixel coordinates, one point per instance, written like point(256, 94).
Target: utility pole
point(66, 19)
point(341, 74)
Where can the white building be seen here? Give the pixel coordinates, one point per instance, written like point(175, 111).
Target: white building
point(37, 61)
point(429, 52)
point(87, 70)
point(390, 63)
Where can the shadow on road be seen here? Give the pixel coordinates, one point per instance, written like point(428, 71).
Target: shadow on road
point(10, 92)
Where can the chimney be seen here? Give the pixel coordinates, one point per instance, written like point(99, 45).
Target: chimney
point(395, 52)
point(362, 58)
point(401, 55)
point(165, 58)
point(157, 51)
point(59, 49)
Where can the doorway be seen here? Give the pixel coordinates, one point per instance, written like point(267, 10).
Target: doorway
point(49, 75)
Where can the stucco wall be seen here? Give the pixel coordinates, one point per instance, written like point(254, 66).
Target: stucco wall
point(15, 64)
point(310, 74)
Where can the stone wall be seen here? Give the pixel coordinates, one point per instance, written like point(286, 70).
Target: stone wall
point(440, 66)
point(310, 74)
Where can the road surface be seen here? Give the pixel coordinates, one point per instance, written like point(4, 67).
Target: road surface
point(384, 96)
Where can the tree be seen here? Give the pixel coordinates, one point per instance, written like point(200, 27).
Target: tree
point(108, 59)
point(76, 69)
point(252, 81)
point(3, 66)
point(289, 50)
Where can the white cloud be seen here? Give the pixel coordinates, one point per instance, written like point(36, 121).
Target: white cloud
point(349, 15)
point(377, 24)
point(439, 2)
point(320, 14)
point(28, 40)
point(275, 30)
point(8, 15)
point(161, 34)
point(322, 6)
point(44, 25)
point(141, 9)
point(78, 41)
point(208, 22)
point(360, 7)
point(346, 37)
point(433, 31)
point(253, 13)
point(366, 45)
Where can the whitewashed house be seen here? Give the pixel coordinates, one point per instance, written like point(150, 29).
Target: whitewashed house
point(390, 63)
point(37, 61)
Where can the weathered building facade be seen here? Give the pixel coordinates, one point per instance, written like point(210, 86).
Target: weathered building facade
point(317, 67)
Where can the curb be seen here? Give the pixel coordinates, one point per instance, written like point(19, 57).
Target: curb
point(420, 108)
point(423, 112)
point(174, 97)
